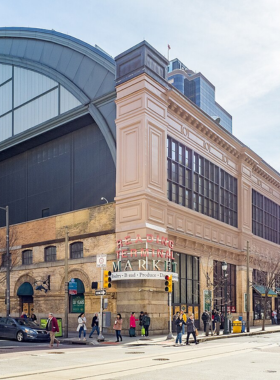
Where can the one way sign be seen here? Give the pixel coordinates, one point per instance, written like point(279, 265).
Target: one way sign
point(100, 292)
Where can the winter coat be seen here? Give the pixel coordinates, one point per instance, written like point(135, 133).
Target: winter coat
point(179, 325)
point(141, 316)
point(133, 321)
point(82, 323)
point(52, 325)
point(146, 320)
point(217, 318)
point(118, 324)
point(205, 317)
point(94, 321)
point(190, 325)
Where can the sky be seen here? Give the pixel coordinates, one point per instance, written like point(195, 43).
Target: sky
point(234, 43)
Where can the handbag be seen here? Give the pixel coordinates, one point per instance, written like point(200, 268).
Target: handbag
point(143, 331)
point(196, 332)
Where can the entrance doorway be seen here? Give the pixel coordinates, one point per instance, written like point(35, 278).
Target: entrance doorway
point(25, 294)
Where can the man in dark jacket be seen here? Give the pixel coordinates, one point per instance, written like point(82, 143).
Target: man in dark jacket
point(52, 327)
point(191, 329)
point(146, 323)
point(179, 326)
point(205, 318)
point(94, 325)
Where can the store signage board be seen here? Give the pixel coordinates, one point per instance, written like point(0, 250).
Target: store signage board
point(143, 275)
point(101, 261)
point(73, 288)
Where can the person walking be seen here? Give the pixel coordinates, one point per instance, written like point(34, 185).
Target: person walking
point(94, 325)
point(82, 328)
point(274, 317)
point(185, 320)
point(191, 329)
point(52, 327)
point(179, 325)
point(146, 323)
point(132, 323)
point(205, 318)
point(118, 327)
point(217, 319)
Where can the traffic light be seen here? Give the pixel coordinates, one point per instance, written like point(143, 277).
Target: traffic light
point(107, 279)
point(168, 284)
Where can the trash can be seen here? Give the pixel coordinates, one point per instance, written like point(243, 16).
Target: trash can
point(243, 326)
point(237, 327)
point(240, 318)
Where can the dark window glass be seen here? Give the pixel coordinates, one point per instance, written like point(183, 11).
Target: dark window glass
point(50, 254)
point(27, 257)
point(219, 287)
point(45, 212)
point(197, 183)
point(76, 250)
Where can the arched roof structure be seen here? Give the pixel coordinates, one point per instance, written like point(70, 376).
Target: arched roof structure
point(85, 71)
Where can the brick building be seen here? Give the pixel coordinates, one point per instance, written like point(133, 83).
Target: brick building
point(184, 195)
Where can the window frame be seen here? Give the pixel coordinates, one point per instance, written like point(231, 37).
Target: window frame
point(73, 254)
point(27, 257)
point(49, 255)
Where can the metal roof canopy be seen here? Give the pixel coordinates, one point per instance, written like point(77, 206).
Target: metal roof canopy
point(260, 289)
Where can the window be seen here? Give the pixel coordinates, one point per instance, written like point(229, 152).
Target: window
point(219, 287)
point(45, 212)
point(27, 257)
point(265, 218)
point(4, 260)
point(197, 183)
point(50, 254)
point(76, 250)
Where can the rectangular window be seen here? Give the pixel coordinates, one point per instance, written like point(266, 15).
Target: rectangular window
point(201, 185)
point(219, 287)
point(27, 257)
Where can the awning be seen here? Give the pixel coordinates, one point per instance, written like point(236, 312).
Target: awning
point(262, 290)
point(80, 286)
point(25, 289)
point(277, 291)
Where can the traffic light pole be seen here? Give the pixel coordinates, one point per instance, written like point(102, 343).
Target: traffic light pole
point(100, 336)
point(170, 336)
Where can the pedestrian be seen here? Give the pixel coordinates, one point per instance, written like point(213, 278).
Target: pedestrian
point(185, 320)
point(205, 318)
point(274, 317)
point(146, 323)
point(118, 327)
point(191, 329)
point(217, 319)
point(222, 320)
point(278, 317)
point(132, 324)
point(179, 324)
point(34, 318)
point(82, 328)
point(94, 325)
point(213, 320)
point(23, 315)
point(53, 328)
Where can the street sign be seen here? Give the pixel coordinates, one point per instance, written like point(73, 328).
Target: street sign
point(100, 292)
point(73, 287)
point(101, 261)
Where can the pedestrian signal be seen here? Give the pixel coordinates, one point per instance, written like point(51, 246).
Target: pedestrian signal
point(168, 284)
point(107, 279)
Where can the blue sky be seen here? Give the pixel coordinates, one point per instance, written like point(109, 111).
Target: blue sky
point(235, 44)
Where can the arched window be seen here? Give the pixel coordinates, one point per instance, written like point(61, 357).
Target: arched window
point(76, 250)
point(77, 302)
point(50, 254)
point(27, 257)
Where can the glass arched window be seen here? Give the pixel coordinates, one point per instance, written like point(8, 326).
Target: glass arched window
point(76, 250)
point(28, 98)
point(27, 257)
point(50, 254)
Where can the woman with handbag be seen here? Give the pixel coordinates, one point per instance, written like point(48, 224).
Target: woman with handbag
point(82, 325)
point(191, 329)
point(118, 327)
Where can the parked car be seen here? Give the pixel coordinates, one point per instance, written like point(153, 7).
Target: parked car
point(22, 329)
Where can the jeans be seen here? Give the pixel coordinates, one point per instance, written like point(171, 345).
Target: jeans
point(146, 330)
point(80, 331)
point(179, 338)
point(118, 335)
point(183, 329)
point(188, 335)
point(93, 329)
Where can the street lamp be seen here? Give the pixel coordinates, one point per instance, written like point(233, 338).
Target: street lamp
point(8, 261)
point(104, 199)
point(224, 269)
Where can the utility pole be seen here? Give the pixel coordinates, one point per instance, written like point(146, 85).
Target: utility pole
point(248, 291)
point(8, 298)
point(66, 301)
point(100, 336)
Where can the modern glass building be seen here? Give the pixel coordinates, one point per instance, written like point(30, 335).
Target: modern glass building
point(199, 90)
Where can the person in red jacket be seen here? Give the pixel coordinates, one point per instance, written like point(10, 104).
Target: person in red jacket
point(52, 327)
point(132, 324)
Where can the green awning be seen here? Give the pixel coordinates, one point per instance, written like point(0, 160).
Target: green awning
point(277, 291)
point(262, 290)
point(25, 289)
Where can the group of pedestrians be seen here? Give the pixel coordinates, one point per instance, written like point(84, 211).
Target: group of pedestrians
point(275, 317)
point(217, 320)
point(181, 321)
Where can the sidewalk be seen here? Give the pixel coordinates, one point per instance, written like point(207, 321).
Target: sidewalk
point(110, 339)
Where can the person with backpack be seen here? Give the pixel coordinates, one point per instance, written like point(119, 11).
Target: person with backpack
point(146, 323)
point(205, 318)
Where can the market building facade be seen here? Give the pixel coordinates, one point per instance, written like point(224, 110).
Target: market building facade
point(184, 195)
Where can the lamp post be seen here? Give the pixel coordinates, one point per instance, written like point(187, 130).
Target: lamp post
point(224, 268)
point(8, 262)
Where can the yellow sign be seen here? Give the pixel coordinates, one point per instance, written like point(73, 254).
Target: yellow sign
point(196, 314)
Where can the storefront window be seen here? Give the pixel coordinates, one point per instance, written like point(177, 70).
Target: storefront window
point(219, 287)
point(258, 307)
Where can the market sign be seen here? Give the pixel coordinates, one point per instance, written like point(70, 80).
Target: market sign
point(142, 275)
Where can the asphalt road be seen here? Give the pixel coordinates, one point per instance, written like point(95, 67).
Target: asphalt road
point(245, 358)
